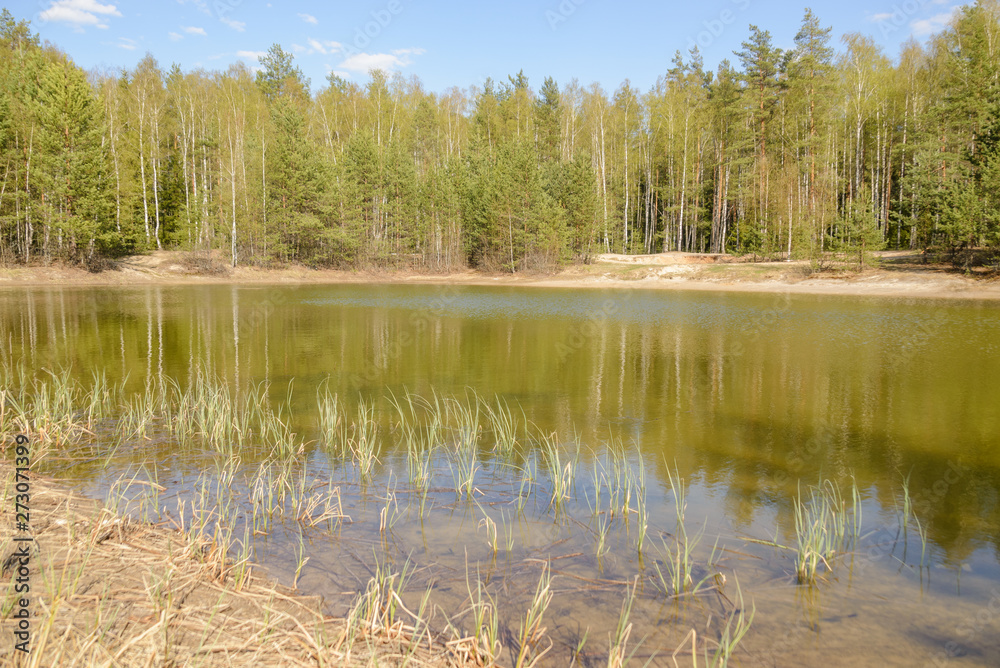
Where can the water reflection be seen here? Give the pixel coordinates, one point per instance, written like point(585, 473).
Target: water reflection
point(747, 394)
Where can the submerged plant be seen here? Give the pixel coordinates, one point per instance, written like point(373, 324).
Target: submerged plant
point(561, 475)
point(617, 652)
point(504, 426)
point(823, 528)
point(737, 626)
point(531, 632)
point(484, 642)
point(678, 556)
point(376, 609)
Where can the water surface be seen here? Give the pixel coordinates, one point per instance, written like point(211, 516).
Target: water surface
point(751, 397)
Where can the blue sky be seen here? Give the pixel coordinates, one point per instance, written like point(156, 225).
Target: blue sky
point(454, 43)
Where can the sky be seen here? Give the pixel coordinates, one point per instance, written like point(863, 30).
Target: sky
point(459, 44)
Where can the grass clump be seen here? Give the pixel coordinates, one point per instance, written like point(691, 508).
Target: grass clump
point(678, 555)
point(824, 527)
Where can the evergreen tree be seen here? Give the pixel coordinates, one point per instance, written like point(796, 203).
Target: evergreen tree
point(548, 120)
point(71, 161)
point(279, 76)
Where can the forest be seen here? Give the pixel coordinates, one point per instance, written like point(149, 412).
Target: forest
point(823, 148)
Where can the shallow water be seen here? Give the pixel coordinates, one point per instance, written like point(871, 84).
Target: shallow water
point(750, 397)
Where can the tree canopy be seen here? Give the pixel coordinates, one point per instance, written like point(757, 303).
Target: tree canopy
point(819, 148)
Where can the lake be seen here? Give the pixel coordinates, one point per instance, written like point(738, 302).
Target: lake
point(744, 402)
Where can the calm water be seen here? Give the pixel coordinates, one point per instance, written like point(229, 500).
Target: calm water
point(748, 395)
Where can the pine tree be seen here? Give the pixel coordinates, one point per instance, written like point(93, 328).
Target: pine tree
point(280, 77)
point(810, 79)
point(760, 61)
point(548, 112)
point(71, 160)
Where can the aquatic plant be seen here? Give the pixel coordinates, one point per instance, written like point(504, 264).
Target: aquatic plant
point(678, 555)
point(504, 426)
point(531, 633)
point(618, 654)
point(823, 528)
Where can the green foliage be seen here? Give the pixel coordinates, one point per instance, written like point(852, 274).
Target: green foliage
point(279, 76)
point(70, 157)
point(796, 153)
point(860, 236)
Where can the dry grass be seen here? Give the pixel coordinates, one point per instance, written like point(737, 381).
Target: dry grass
point(111, 591)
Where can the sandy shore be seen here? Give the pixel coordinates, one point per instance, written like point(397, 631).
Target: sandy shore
point(900, 275)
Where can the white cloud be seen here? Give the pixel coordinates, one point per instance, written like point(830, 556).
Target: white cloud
point(325, 47)
point(933, 24)
point(175, 36)
point(193, 30)
point(235, 25)
point(340, 73)
point(878, 18)
point(200, 4)
point(79, 13)
point(251, 55)
point(365, 62)
point(309, 18)
point(126, 43)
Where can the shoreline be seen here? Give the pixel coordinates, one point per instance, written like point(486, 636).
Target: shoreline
point(107, 588)
point(682, 273)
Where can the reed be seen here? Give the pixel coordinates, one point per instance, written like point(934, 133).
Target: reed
point(531, 632)
point(678, 557)
point(737, 626)
point(561, 475)
point(364, 440)
point(241, 567)
point(526, 480)
point(642, 511)
point(508, 532)
point(922, 532)
point(603, 529)
point(463, 473)
point(598, 475)
point(907, 509)
point(375, 611)
point(46, 408)
point(492, 535)
point(618, 654)
point(300, 560)
point(332, 424)
point(485, 644)
point(101, 400)
point(823, 528)
point(466, 427)
point(418, 437)
point(504, 426)
point(904, 519)
point(389, 514)
point(211, 413)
